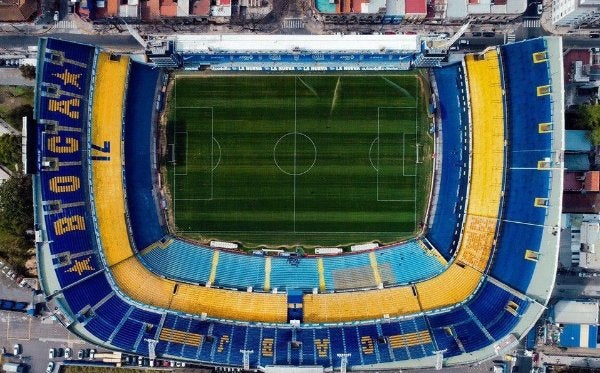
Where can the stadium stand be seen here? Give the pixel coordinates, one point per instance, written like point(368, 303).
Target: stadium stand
point(302, 275)
point(522, 228)
point(180, 261)
point(103, 284)
point(487, 160)
point(359, 305)
point(444, 230)
point(407, 263)
point(106, 132)
point(185, 261)
point(139, 140)
point(61, 115)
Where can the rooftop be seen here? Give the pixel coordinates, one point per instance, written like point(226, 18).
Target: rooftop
point(17, 10)
point(245, 43)
point(576, 312)
point(577, 141)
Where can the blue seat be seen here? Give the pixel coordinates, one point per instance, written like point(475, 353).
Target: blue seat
point(87, 293)
point(302, 276)
point(408, 262)
point(489, 306)
point(181, 260)
point(139, 108)
point(453, 108)
point(509, 264)
point(240, 271)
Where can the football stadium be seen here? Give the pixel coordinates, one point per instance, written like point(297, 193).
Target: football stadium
point(305, 204)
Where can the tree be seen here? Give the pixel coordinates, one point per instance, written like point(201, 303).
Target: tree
point(28, 71)
point(585, 117)
point(590, 115)
point(15, 116)
point(16, 205)
point(595, 136)
point(10, 151)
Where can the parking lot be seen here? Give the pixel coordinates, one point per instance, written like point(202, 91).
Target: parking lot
point(35, 335)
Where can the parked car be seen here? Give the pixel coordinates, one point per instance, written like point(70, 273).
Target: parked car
point(51, 353)
point(16, 349)
point(80, 354)
point(594, 36)
point(489, 34)
point(92, 354)
point(68, 352)
point(540, 8)
point(50, 367)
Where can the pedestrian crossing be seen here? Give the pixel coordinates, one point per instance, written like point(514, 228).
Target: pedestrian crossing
point(65, 24)
point(510, 38)
point(293, 23)
point(531, 22)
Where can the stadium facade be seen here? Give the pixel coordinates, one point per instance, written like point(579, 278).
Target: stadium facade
point(294, 52)
point(122, 281)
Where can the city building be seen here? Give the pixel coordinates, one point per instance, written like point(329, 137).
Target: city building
point(488, 11)
point(575, 13)
point(17, 10)
point(575, 323)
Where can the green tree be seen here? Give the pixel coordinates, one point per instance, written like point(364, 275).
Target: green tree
point(15, 115)
point(589, 116)
point(16, 205)
point(585, 117)
point(595, 136)
point(10, 151)
point(28, 71)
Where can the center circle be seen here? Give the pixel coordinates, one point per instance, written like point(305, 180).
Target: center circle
point(294, 153)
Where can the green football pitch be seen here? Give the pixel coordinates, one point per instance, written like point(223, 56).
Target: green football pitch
point(305, 160)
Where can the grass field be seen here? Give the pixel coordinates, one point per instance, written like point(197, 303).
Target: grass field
point(298, 160)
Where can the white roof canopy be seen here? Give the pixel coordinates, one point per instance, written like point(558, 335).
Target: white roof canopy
point(576, 312)
point(243, 43)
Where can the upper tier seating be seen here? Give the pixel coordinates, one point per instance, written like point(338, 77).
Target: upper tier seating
point(63, 79)
point(522, 228)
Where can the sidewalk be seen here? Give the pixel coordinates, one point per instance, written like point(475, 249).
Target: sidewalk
point(12, 76)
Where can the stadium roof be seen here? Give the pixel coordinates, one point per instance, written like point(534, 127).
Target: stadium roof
point(289, 43)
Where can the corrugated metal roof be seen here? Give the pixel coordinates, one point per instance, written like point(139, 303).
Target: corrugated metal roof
point(577, 141)
point(592, 181)
point(576, 312)
point(577, 162)
point(577, 335)
point(416, 7)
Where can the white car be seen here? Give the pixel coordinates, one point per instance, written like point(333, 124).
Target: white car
point(68, 352)
point(16, 349)
point(92, 354)
point(50, 367)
